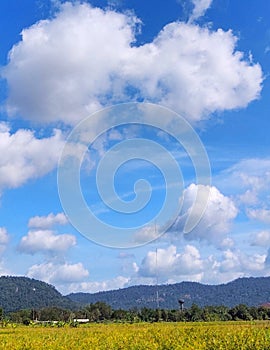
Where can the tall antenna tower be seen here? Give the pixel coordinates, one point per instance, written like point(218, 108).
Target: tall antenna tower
point(157, 297)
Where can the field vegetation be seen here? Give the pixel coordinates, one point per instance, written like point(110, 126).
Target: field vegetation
point(207, 328)
point(139, 336)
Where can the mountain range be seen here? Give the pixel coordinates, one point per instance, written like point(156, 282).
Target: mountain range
point(24, 293)
point(250, 291)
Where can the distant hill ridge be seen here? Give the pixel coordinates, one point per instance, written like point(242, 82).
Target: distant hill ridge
point(252, 291)
point(18, 293)
point(23, 293)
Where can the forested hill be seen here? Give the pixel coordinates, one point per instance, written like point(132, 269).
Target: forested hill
point(250, 291)
point(24, 293)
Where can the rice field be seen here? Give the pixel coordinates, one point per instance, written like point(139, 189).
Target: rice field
point(143, 336)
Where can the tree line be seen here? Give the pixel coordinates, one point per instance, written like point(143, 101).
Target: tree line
point(102, 312)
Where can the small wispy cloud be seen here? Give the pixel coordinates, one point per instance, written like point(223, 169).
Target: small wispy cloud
point(200, 7)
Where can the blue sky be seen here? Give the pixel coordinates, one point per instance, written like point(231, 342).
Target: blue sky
point(209, 62)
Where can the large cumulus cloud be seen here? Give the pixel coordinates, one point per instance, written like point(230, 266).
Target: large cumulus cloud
point(85, 58)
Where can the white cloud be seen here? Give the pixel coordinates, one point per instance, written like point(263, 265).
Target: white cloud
point(267, 261)
point(262, 238)
point(45, 222)
point(146, 234)
point(227, 243)
point(200, 7)
point(4, 237)
point(125, 255)
point(24, 157)
point(97, 286)
point(259, 214)
point(249, 177)
point(204, 75)
point(239, 262)
point(249, 182)
point(76, 58)
point(4, 270)
point(168, 263)
point(249, 197)
point(217, 218)
point(230, 262)
point(173, 266)
point(84, 58)
point(58, 274)
point(46, 241)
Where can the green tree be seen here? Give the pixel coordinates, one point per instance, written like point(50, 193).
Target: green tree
point(53, 314)
point(195, 313)
point(240, 312)
point(99, 311)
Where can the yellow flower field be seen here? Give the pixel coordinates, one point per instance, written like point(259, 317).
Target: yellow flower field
point(190, 336)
